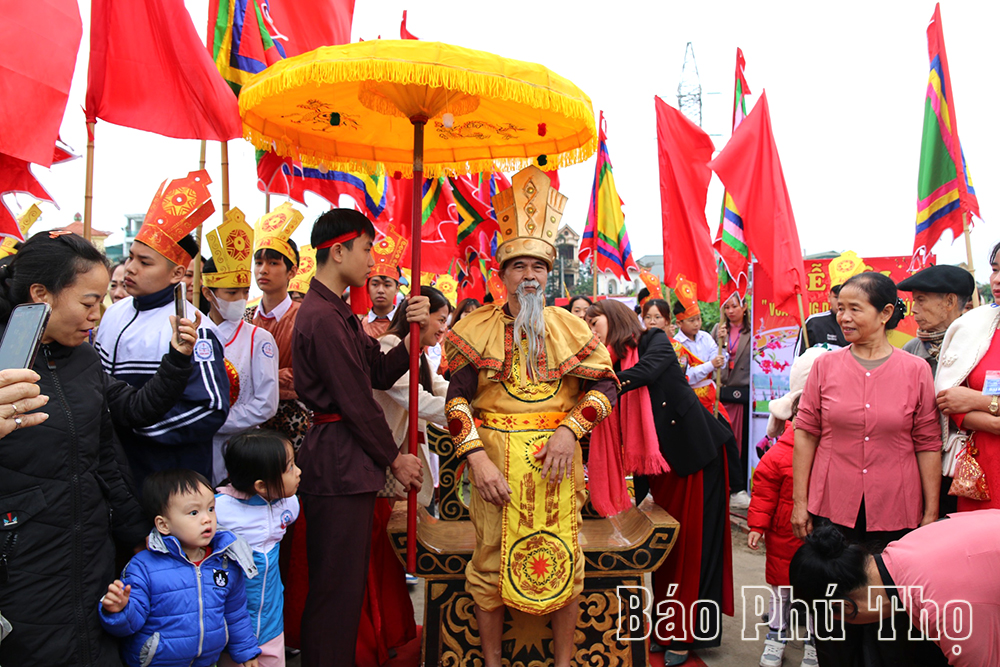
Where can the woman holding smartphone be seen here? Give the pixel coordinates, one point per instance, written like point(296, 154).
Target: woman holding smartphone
point(65, 489)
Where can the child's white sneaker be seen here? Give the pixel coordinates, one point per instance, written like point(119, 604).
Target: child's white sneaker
point(809, 658)
point(774, 650)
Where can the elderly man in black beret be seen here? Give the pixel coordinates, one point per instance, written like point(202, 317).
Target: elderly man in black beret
point(940, 294)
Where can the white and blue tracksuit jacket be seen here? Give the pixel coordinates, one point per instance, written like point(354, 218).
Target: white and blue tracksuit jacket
point(133, 336)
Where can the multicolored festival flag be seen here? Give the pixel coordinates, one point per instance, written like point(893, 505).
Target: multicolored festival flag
point(245, 36)
point(944, 188)
point(730, 242)
point(605, 238)
point(283, 176)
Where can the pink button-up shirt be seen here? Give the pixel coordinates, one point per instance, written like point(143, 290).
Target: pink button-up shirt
point(870, 425)
point(957, 559)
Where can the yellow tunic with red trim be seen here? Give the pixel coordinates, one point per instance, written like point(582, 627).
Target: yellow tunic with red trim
point(527, 553)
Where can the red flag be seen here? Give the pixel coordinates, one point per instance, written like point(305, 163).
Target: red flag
point(303, 26)
point(16, 176)
point(149, 70)
point(439, 244)
point(38, 44)
point(751, 171)
point(403, 32)
point(685, 151)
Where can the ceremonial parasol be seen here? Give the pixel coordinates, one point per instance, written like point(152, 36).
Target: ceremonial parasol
point(351, 107)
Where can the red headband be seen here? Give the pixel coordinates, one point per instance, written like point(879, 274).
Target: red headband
point(343, 238)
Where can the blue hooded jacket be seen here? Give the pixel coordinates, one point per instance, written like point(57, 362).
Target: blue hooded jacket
point(181, 614)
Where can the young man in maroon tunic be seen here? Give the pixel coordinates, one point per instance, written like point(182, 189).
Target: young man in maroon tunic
point(349, 445)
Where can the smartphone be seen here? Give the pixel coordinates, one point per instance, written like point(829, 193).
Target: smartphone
point(179, 303)
point(23, 335)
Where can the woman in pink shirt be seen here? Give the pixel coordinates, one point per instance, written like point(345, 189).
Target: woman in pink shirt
point(867, 439)
point(945, 575)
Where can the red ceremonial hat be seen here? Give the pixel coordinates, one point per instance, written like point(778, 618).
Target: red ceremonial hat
point(652, 283)
point(177, 208)
point(686, 292)
point(388, 252)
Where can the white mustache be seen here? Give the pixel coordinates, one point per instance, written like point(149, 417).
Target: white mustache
point(528, 283)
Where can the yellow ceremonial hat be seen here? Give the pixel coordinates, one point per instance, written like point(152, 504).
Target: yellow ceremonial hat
point(844, 267)
point(231, 244)
point(528, 213)
point(275, 228)
point(447, 286)
point(24, 223)
point(388, 253)
point(178, 207)
point(307, 269)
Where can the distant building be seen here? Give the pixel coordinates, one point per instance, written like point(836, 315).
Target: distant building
point(567, 266)
point(96, 235)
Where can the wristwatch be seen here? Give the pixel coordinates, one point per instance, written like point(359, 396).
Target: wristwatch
point(995, 405)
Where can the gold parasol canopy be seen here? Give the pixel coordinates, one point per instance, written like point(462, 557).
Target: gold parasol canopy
point(350, 107)
point(353, 108)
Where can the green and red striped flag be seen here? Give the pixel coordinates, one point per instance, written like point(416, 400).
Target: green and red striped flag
point(944, 187)
point(730, 241)
point(605, 238)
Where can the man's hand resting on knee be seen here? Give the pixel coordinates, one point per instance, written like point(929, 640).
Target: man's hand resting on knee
point(408, 471)
point(488, 480)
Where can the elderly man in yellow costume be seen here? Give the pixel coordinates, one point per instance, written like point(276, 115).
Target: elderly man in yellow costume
point(539, 381)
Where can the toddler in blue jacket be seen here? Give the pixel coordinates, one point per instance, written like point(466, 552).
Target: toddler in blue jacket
point(182, 601)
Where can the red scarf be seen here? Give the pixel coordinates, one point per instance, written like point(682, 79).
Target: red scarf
point(625, 442)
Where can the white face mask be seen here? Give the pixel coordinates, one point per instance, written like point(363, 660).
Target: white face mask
point(231, 311)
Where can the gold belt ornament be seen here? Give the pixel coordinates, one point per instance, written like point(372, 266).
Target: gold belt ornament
point(526, 421)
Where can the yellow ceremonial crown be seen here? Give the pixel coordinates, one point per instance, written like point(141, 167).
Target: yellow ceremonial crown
point(275, 228)
point(24, 223)
point(307, 269)
point(232, 245)
point(528, 214)
point(846, 266)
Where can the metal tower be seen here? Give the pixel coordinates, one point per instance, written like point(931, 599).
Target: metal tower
point(689, 89)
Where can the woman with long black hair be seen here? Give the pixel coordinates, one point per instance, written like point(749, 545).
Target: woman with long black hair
point(65, 488)
point(694, 490)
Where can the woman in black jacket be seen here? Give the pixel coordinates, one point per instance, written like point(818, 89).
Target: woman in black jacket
point(694, 490)
point(64, 484)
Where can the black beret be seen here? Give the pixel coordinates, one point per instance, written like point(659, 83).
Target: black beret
point(943, 279)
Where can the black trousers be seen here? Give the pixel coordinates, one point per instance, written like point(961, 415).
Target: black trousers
point(338, 545)
point(862, 645)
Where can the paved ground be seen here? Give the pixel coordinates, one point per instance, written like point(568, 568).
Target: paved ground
point(748, 570)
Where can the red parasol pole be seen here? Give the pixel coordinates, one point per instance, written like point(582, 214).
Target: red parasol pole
point(416, 219)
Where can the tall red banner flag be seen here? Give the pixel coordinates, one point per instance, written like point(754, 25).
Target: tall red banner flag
point(38, 44)
point(751, 171)
point(684, 153)
point(149, 70)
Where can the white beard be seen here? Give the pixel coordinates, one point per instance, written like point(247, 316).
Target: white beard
point(530, 321)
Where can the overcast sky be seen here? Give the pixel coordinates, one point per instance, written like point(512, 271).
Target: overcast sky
point(846, 84)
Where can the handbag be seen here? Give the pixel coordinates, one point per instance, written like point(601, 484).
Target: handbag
point(954, 443)
point(740, 394)
point(970, 480)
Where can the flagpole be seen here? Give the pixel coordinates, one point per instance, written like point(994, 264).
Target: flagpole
point(196, 282)
point(968, 256)
point(416, 222)
point(718, 332)
point(802, 316)
point(88, 194)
